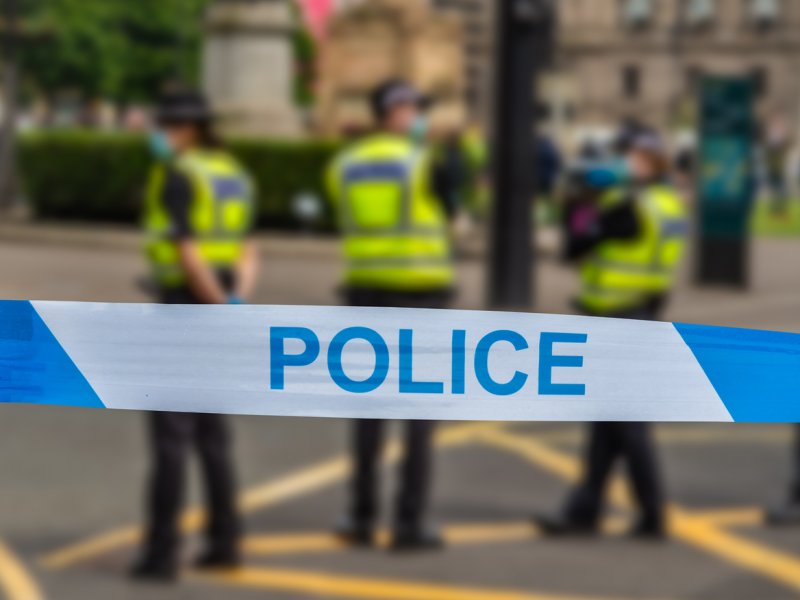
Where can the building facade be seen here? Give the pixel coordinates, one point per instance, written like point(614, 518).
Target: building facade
point(478, 21)
point(369, 42)
point(643, 58)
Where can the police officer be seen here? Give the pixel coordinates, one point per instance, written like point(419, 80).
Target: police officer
point(628, 248)
point(397, 253)
point(198, 213)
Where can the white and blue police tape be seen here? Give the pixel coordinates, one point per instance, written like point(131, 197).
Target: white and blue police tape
point(392, 363)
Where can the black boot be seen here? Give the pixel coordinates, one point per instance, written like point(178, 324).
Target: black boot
point(649, 529)
point(355, 532)
point(410, 537)
point(216, 558)
point(150, 568)
point(560, 526)
point(788, 514)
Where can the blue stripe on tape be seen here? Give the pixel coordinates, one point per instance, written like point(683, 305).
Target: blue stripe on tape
point(755, 373)
point(34, 368)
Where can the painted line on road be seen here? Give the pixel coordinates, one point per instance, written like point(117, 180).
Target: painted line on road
point(338, 586)
point(773, 564)
point(464, 534)
point(703, 534)
point(320, 542)
point(271, 493)
point(747, 516)
point(15, 580)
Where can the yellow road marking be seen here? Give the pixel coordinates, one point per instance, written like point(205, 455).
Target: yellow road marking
point(703, 534)
point(271, 493)
point(455, 535)
point(299, 543)
point(753, 556)
point(303, 543)
point(489, 533)
point(731, 517)
point(14, 578)
point(327, 585)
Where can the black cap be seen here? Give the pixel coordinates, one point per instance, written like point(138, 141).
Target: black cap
point(183, 106)
point(649, 141)
point(630, 129)
point(396, 92)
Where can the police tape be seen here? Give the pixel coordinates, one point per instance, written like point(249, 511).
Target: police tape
point(392, 363)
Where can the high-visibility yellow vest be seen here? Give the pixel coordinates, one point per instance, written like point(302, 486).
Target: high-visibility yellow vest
point(394, 228)
point(624, 274)
point(220, 214)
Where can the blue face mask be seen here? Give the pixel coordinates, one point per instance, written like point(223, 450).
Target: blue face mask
point(608, 174)
point(419, 129)
point(159, 145)
point(622, 170)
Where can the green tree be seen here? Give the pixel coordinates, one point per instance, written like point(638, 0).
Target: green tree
point(119, 49)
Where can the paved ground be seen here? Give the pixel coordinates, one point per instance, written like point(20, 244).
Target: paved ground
point(70, 498)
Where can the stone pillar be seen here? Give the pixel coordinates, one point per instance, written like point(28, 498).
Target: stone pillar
point(248, 67)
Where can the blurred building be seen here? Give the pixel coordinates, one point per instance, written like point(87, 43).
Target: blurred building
point(620, 58)
point(477, 18)
point(368, 42)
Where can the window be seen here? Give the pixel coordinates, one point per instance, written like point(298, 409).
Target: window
point(765, 13)
point(543, 111)
point(631, 82)
point(694, 76)
point(637, 13)
point(760, 77)
point(700, 13)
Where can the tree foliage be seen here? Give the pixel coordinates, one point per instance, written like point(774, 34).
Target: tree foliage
point(119, 49)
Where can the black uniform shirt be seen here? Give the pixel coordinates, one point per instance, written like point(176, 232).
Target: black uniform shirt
point(177, 199)
point(620, 223)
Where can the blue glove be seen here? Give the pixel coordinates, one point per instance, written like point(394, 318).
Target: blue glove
point(233, 299)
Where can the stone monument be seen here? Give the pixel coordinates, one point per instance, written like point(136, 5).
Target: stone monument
point(248, 66)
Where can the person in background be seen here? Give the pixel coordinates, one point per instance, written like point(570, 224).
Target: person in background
point(548, 166)
point(398, 254)
point(628, 248)
point(777, 147)
point(198, 216)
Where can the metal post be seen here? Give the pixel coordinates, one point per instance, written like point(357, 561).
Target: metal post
point(10, 40)
point(524, 42)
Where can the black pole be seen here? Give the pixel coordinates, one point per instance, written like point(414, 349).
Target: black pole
point(8, 129)
point(524, 41)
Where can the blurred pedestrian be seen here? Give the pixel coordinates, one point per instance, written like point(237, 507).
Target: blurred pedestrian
point(198, 215)
point(397, 253)
point(628, 249)
point(549, 165)
point(777, 147)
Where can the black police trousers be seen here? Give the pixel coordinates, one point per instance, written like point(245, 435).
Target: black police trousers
point(794, 490)
point(368, 435)
point(173, 436)
point(608, 442)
